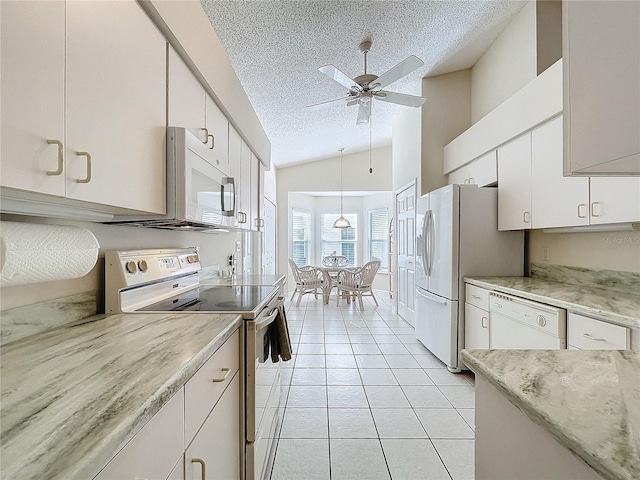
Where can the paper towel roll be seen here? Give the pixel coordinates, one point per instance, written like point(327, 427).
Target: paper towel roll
point(31, 253)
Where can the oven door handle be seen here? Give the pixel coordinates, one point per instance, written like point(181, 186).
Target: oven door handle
point(270, 318)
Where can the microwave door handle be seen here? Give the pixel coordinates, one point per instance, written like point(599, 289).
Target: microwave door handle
point(230, 182)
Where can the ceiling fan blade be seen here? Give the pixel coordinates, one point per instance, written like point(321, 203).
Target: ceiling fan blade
point(405, 67)
point(400, 98)
point(364, 112)
point(319, 106)
point(340, 77)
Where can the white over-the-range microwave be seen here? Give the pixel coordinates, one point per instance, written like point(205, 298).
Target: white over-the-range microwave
point(199, 196)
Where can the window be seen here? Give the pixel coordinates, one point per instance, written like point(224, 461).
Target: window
point(301, 237)
point(339, 241)
point(379, 237)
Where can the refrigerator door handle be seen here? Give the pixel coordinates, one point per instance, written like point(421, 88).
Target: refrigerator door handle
point(432, 240)
point(431, 297)
point(425, 240)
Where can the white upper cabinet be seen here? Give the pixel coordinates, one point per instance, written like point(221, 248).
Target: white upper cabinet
point(191, 107)
point(482, 171)
point(115, 106)
point(32, 92)
point(601, 79)
point(556, 201)
point(614, 199)
point(187, 98)
point(83, 103)
point(257, 187)
point(514, 184)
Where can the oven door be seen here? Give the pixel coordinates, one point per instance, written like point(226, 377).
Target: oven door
point(264, 405)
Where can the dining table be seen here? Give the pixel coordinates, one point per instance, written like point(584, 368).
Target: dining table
point(332, 277)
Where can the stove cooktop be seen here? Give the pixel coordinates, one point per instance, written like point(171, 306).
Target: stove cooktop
point(218, 299)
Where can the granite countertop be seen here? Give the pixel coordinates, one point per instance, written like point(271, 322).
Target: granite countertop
point(72, 396)
point(587, 400)
point(244, 280)
point(602, 303)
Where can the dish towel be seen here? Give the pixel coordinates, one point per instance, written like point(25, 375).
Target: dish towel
point(279, 337)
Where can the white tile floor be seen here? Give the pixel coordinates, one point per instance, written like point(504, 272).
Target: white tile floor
point(367, 401)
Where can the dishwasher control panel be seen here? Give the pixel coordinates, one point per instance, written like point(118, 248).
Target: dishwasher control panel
point(538, 316)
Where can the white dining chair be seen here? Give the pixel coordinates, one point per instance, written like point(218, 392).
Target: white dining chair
point(358, 282)
point(309, 280)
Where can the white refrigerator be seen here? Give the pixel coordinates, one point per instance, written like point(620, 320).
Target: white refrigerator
point(457, 237)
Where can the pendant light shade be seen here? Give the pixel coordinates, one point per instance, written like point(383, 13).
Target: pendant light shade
point(341, 222)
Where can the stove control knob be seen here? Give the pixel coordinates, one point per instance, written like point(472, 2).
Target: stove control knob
point(192, 259)
point(142, 266)
point(131, 266)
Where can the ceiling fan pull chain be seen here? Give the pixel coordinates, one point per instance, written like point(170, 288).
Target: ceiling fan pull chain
point(370, 122)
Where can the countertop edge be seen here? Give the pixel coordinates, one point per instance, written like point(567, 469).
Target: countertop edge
point(596, 463)
point(603, 315)
point(126, 430)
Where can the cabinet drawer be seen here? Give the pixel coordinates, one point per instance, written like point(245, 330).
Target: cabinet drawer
point(203, 390)
point(477, 296)
point(153, 451)
point(589, 334)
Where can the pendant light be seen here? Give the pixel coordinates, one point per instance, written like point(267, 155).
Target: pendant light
point(341, 222)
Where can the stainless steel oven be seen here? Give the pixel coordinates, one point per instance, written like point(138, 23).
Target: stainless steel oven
point(168, 280)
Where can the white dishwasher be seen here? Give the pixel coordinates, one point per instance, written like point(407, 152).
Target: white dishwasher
point(516, 323)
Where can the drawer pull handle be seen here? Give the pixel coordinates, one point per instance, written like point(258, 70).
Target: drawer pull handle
point(60, 157)
point(483, 320)
point(203, 465)
point(226, 372)
point(591, 337)
point(476, 296)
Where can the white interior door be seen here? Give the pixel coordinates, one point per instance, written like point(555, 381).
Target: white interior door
point(406, 235)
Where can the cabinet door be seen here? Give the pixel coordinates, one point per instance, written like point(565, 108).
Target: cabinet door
point(115, 106)
point(186, 98)
point(615, 199)
point(601, 70)
point(459, 176)
point(556, 200)
point(155, 449)
point(216, 448)
point(245, 186)
point(218, 128)
point(256, 192)
point(32, 90)
point(482, 171)
point(235, 158)
point(476, 327)
point(514, 184)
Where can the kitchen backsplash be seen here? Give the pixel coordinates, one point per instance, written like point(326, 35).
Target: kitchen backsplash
point(625, 282)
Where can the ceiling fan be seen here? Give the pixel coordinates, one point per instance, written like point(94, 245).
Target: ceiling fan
point(364, 88)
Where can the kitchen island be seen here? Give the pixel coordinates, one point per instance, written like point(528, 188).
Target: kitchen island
point(558, 414)
point(74, 395)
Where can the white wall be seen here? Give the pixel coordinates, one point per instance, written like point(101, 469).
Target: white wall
point(270, 185)
point(507, 65)
point(406, 144)
point(324, 175)
point(384, 200)
point(214, 250)
point(445, 115)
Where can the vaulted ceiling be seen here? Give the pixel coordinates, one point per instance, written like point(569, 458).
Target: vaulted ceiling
point(277, 46)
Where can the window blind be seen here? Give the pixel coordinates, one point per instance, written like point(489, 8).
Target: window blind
point(301, 237)
point(379, 236)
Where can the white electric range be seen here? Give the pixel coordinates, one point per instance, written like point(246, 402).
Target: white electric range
point(167, 280)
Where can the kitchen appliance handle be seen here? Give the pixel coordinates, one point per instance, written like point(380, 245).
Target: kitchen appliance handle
point(432, 297)
point(228, 181)
point(270, 318)
point(432, 240)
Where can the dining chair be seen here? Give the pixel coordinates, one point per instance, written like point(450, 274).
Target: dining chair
point(309, 280)
point(358, 282)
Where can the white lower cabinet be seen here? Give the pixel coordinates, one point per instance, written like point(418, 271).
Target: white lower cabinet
point(215, 451)
point(154, 450)
point(206, 410)
point(476, 317)
point(585, 333)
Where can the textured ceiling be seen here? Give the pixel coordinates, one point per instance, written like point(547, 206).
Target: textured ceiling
point(277, 46)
